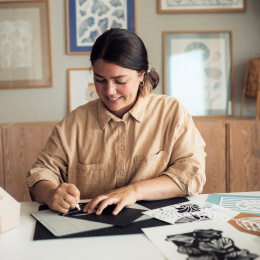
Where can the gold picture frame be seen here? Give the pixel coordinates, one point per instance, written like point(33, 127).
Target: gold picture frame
point(198, 71)
point(81, 88)
point(182, 6)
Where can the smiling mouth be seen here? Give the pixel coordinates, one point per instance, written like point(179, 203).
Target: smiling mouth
point(113, 99)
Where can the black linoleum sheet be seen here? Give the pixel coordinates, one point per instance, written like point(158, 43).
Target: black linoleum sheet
point(42, 233)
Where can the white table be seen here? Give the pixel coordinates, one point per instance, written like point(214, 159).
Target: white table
point(18, 243)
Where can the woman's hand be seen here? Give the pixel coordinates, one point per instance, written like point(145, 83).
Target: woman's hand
point(159, 188)
point(61, 198)
point(122, 197)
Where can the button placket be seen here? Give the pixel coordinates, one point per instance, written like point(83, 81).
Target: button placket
point(121, 155)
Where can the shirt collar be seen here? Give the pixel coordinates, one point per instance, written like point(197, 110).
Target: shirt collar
point(104, 116)
point(137, 112)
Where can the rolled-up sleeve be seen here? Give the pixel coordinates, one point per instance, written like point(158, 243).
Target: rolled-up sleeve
point(48, 161)
point(187, 160)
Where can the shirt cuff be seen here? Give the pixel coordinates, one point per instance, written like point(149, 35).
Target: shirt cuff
point(194, 186)
point(36, 175)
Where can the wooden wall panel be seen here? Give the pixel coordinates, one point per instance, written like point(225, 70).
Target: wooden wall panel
point(214, 135)
point(1, 159)
point(244, 154)
point(22, 143)
point(232, 147)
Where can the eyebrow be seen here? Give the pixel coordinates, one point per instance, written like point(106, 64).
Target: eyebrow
point(120, 76)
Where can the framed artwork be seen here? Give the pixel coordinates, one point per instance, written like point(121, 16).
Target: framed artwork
point(87, 19)
point(198, 70)
point(25, 57)
point(81, 87)
point(198, 6)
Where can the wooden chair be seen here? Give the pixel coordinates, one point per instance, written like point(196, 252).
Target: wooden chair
point(252, 82)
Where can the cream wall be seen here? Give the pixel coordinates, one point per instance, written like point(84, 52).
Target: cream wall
point(51, 104)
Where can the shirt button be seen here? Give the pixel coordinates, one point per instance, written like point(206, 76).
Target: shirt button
point(120, 172)
point(122, 123)
point(121, 147)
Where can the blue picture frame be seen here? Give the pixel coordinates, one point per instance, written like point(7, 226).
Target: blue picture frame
point(198, 71)
point(87, 19)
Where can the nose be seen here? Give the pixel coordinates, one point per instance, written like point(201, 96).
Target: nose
point(110, 89)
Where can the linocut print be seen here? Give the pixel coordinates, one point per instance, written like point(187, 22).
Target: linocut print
point(212, 239)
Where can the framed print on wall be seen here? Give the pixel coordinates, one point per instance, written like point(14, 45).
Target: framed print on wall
point(198, 70)
point(81, 87)
point(87, 19)
point(198, 6)
point(25, 57)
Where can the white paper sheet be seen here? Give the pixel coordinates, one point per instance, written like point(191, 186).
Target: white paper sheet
point(190, 212)
point(200, 239)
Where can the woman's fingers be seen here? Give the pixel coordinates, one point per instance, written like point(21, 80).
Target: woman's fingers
point(104, 204)
point(63, 198)
point(121, 197)
point(118, 208)
point(91, 206)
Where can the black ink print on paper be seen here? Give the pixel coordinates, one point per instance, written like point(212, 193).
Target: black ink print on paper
point(209, 244)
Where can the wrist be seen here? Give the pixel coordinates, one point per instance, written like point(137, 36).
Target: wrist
point(43, 191)
point(137, 191)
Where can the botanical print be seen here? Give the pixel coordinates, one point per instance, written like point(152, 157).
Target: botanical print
point(16, 44)
point(212, 239)
point(246, 204)
point(96, 16)
point(204, 61)
point(90, 92)
point(82, 88)
point(202, 4)
point(21, 45)
point(246, 223)
point(190, 212)
point(209, 244)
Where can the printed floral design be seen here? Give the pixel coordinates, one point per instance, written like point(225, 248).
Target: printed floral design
point(192, 218)
point(16, 44)
point(188, 208)
point(191, 212)
point(96, 16)
point(249, 223)
point(208, 244)
point(99, 7)
point(252, 205)
point(115, 3)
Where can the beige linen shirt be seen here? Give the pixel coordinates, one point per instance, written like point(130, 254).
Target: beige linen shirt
point(100, 152)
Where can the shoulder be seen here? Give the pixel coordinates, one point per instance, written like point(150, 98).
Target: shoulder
point(84, 110)
point(162, 100)
point(167, 105)
point(82, 114)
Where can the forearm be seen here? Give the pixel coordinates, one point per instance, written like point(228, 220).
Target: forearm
point(41, 190)
point(162, 187)
point(60, 198)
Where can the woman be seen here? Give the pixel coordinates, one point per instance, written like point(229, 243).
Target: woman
point(126, 146)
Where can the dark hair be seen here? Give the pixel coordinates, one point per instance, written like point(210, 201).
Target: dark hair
point(125, 49)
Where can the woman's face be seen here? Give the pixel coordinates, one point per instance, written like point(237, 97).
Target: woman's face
point(116, 86)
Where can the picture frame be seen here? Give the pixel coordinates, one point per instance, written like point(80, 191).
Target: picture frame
point(81, 88)
point(26, 60)
point(87, 19)
point(198, 71)
point(197, 6)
